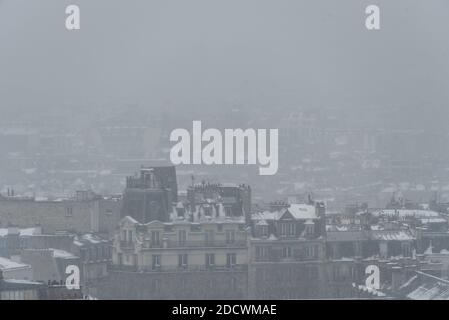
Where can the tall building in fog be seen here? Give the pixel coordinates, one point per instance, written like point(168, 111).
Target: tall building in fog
point(149, 196)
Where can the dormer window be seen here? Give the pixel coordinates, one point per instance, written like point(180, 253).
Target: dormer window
point(310, 228)
point(287, 229)
point(262, 229)
point(208, 211)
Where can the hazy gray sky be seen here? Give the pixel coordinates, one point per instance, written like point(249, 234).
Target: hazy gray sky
point(176, 53)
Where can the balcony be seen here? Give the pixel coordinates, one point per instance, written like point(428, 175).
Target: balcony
point(186, 269)
point(198, 244)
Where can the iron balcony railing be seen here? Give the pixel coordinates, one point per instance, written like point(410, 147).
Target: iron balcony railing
point(188, 268)
point(196, 244)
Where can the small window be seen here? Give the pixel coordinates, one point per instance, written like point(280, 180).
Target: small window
point(155, 238)
point(69, 212)
point(156, 261)
point(182, 237)
point(210, 260)
point(230, 236)
point(234, 285)
point(157, 285)
point(209, 236)
point(182, 260)
point(261, 252)
point(286, 252)
point(231, 259)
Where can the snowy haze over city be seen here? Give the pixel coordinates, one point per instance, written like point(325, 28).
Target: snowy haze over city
point(224, 150)
point(309, 68)
point(267, 54)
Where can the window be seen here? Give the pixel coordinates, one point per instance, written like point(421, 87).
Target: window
point(406, 251)
point(183, 284)
point(69, 212)
point(108, 212)
point(228, 211)
point(156, 261)
point(286, 252)
point(93, 254)
point(261, 252)
point(155, 238)
point(157, 285)
point(182, 237)
point(230, 236)
point(130, 236)
point(287, 229)
point(182, 260)
point(210, 259)
point(234, 286)
point(311, 251)
point(231, 259)
point(207, 211)
point(310, 229)
point(209, 235)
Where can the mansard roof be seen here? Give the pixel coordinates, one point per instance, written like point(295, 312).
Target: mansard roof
point(295, 211)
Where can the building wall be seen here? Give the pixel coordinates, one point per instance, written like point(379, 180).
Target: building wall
point(70, 215)
point(134, 275)
point(174, 285)
point(286, 269)
point(19, 295)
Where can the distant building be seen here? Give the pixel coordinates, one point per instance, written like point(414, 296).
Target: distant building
point(235, 199)
point(15, 270)
point(21, 289)
point(181, 259)
point(49, 265)
point(86, 212)
point(150, 195)
point(287, 252)
point(95, 255)
point(13, 289)
point(13, 240)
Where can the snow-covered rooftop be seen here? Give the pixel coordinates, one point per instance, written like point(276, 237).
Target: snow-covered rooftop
point(406, 213)
point(7, 264)
point(298, 211)
point(21, 231)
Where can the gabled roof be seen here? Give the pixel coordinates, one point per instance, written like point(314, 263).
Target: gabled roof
point(285, 215)
point(303, 211)
point(129, 219)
